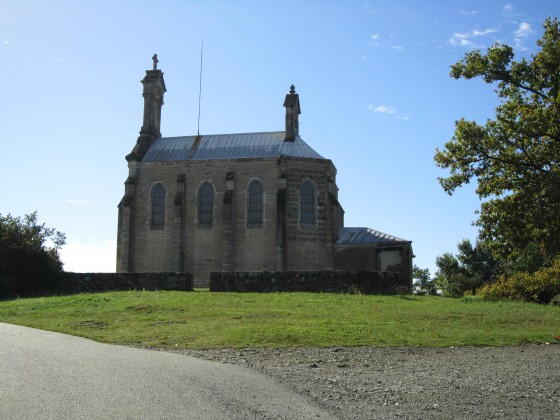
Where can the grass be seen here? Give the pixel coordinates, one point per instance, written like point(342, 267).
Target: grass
point(201, 320)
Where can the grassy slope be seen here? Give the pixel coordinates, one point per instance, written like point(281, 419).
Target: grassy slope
point(215, 320)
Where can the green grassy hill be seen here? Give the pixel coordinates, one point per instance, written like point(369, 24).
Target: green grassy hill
point(199, 320)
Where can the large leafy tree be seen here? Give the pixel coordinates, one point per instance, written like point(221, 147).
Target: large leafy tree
point(514, 157)
point(29, 260)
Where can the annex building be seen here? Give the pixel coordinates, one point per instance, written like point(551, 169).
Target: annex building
point(238, 203)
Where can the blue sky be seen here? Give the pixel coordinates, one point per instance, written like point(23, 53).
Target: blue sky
point(373, 79)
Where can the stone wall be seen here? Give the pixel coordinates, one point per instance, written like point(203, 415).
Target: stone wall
point(70, 283)
point(366, 282)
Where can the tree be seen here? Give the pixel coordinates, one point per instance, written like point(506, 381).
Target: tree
point(423, 281)
point(29, 260)
point(472, 267)
point(515, 157)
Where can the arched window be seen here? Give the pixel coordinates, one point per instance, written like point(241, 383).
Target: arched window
point(255, 204)
point(157, 218)
point(205, 205)
point(307, 203)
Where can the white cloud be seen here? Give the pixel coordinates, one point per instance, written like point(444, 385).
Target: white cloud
point(476, 32)
point(6, 42)
point(521, 34)
point(461, 40)
point(92, 257)
point(375, 40)
point(56, 59)
point(388, 111)
point(507, 9)
point(382, 42)
point(383, 109)
point(468, 12)
point(465, 39)
point(523, 31)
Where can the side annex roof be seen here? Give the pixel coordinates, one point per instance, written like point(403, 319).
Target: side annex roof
point(365, 236)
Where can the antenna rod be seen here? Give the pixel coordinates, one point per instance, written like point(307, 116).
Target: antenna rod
point(199, 89)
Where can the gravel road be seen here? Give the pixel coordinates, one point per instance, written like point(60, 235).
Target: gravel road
point(415, 383)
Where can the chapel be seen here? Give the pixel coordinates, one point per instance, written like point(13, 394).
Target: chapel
point(239, 202)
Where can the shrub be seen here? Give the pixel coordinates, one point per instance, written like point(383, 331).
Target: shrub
point(539, 287)
point(29, 260)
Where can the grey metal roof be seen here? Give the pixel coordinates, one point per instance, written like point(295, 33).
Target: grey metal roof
point(228, 146)
point(362, 235)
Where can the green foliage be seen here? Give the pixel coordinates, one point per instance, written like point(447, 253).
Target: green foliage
point(29, 258)
point(540, 286)
point(422, 281)
point(238, 320)
point(472, 267)
point(531, 259)
point(514, 157)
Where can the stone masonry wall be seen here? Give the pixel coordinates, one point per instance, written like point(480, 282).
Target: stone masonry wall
point(366, 282)
point(230, 244)
point(70, 283)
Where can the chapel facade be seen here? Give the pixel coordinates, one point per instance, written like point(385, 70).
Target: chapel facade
point(239, 202)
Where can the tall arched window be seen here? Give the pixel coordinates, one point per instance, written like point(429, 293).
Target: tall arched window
point(307, 203)
point(255, 204)
point(205, 205)
point(157, 217)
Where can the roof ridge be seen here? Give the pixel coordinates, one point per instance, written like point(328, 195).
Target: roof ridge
point(224, 134)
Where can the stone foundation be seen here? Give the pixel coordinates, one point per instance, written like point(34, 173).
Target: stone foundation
point(366, 282)
point(70, 283)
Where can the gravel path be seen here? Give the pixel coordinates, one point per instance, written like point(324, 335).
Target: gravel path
point(415, 383)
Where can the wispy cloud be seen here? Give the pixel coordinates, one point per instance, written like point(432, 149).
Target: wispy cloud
point(466, 39)
point(468, 12)
point(476, 32)
point(461, 40)
point(507, 9)
point(6, 42)
point(375, 40)
point(520, 35)
point(378, 41)
point(383, 109)
point(388, 111)
point(523, 31)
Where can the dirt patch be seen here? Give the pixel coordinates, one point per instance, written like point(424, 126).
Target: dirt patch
point(415, 383)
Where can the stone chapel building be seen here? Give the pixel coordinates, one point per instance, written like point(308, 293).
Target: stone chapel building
point(239, 202)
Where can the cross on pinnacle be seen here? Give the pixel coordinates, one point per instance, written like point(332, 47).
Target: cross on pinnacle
point(155, 61)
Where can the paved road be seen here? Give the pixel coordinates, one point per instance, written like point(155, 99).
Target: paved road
point(45, 375)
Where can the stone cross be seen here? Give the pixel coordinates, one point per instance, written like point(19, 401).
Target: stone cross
point(155, 61)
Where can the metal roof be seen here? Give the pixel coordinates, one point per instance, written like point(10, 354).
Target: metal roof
point(362, 235)
point(228, 146)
